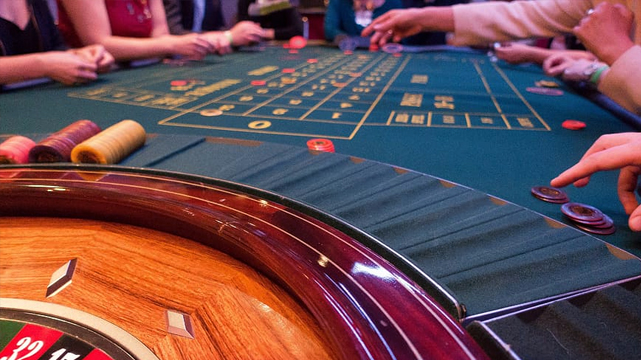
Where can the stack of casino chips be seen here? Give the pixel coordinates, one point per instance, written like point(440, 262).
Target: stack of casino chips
point(58, 146)
point(588, 218)
point(81, 142)
point(15, 150)
point(320, 145)
point(584, 217)
point(111, 145)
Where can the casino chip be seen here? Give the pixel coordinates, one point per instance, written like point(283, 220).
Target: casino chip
point(297, 42)
point(178, 82)
point(392, 48)
point(573, 124)
point(550, 194)
point(544, 91)
point(547, 83)
point(588, 218)
point(320, 145)
point(348, 44)
point(211, 112)
point(582, 213)
point(258, 82)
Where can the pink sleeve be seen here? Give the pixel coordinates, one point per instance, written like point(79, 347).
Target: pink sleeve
point(483, 23)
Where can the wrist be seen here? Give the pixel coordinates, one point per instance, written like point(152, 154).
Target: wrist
point(229, 37)
point(42, 65)
point(594, 72)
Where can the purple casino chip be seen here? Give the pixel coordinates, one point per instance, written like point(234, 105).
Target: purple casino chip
point(392, 48)
point(544, 91)
point(582, 212)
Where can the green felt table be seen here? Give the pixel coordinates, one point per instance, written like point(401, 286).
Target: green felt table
point(436, 153)
point(455, 115)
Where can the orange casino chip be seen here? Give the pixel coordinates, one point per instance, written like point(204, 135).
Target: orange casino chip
point(258, 82)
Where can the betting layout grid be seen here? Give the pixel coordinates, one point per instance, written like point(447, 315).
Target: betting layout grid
point(322, 93)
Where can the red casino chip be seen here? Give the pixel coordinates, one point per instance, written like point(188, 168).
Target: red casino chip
point(573, 124)
point(320, 145)
point(178, 83)
point(297, 42)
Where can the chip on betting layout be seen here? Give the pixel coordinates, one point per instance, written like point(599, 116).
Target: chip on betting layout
point(573, 124)
point(544, 91)
point(297, 42)
point(547, 83)
point(392, 48)
point(211, 112)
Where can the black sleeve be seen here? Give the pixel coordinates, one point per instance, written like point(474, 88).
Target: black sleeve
point(214, 19)
point(293, 25)
point(243, 10)
point(51, 38)
point(173, 12)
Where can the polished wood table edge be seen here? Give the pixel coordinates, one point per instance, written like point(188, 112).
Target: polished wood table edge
point(367, 306)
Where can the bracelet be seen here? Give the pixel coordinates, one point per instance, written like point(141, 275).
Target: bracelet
point(596, 75)
point(229, 37)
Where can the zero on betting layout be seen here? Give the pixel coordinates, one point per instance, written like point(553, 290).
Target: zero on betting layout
point(326, 93)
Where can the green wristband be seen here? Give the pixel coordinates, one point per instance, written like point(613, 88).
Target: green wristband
point(596, 75)
point(230, 38)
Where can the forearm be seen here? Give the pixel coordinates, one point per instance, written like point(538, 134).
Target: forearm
point(437, 18)
point(538, 54)
point(22, 68)
point(125, 48)
point(621, 83)
point(482, 23)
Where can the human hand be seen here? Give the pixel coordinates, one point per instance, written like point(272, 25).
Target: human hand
point(611, 152)
point(393, 26)
point(97, 54)
point(246, 33)
point(581, 70)
point(192, 46)
point(606, 31)
point(555, 65)
point(68, 68)
point(516, 53)
point(219, 42)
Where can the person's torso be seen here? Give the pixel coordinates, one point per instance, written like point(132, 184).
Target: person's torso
point(17, 41)
point(127, 18)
